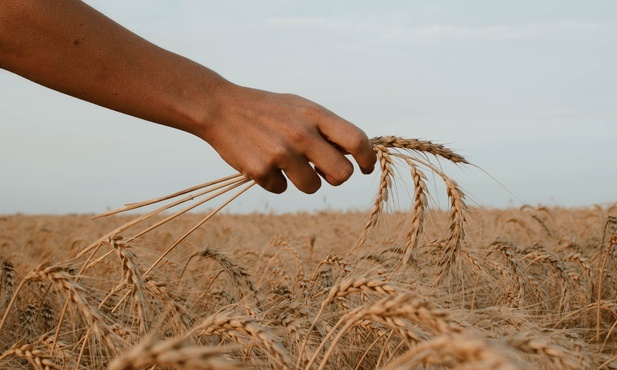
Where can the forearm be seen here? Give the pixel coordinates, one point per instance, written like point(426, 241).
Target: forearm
point(70, 47)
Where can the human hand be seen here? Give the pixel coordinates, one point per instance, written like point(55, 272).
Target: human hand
point(263, 134)
point(259, 133)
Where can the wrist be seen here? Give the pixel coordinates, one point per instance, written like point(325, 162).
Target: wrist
point(202, 103)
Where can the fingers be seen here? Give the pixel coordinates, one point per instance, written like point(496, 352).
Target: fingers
point(269, 174)
point(275, 183)
point(325, 148)
point(303, 176)
point(289, 136)
point(273, 180)
point(330, 163)
point(350, 139)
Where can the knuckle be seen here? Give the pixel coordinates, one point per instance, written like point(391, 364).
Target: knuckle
point(257, 173)
point(315, 111)
point(277, 156)
point(257, 170)
point(357, 141)
point(321, 113)
point(267, 177)
point(299, 136)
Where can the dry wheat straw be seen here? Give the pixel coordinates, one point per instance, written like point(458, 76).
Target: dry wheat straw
point(300, 279)
point(222, 185)
point(204, 220)
point(223, 180)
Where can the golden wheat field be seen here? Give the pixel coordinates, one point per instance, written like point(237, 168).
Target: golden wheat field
point(419, 288)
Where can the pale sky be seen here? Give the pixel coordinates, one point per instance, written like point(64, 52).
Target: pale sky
point(526, 90)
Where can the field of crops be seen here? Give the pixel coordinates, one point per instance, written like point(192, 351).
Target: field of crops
point(419, 288)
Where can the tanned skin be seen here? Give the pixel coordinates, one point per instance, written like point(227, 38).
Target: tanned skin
point(70, 47)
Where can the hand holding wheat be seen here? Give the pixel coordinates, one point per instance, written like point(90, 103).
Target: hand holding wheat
point(388, 149)
point(263, 135)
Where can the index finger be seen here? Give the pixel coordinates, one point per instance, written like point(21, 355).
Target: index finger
point(349, 139)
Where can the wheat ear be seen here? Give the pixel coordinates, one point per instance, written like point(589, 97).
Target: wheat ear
point(237, 273)
point(391, 310)
point(526, 342)
point(227, 324)
point(455, 351)
point(419, 146)
point(385, 185)
point(346, 287)
point(38, 359)
point(173, 353)
point(417, 217)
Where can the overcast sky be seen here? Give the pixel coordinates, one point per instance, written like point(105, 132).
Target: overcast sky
point(526, 90)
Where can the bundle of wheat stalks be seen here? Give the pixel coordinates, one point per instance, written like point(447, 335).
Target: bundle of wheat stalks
point(461, 288)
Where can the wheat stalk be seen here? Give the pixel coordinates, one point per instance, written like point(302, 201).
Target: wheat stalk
point(219, 187)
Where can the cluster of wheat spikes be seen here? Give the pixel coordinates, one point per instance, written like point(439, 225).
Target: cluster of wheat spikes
point(460, 288)
point(411, 152)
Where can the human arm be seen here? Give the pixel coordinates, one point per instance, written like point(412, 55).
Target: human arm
point(70, 47)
